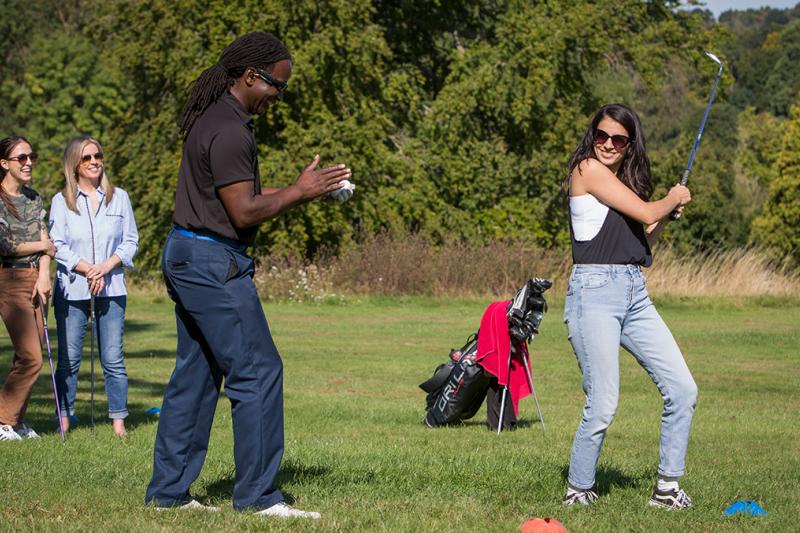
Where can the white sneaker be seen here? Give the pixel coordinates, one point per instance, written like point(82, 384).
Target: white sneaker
point(26, 432)
point(192, 505)
point(285, 510)
point(673, 499)
point(8, 433)
point(579, 497)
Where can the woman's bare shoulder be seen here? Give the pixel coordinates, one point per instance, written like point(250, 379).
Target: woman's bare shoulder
point(587, 170)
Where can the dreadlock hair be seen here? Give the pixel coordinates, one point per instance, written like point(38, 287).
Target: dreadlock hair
point(635, 169)
point(6, 146)
point(257, 49)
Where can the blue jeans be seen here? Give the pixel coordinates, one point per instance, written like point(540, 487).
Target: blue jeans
point(72, 317)
point(222, 332)
point(608, 306)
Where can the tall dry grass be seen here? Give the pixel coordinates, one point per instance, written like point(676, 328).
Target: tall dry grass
point(411, 265)
point(734, 272)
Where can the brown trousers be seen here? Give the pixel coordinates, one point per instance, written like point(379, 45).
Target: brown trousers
point(23, 322)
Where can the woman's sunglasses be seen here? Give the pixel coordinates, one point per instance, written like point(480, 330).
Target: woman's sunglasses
point(88, 157)
point(23, 158)
point(617, 141)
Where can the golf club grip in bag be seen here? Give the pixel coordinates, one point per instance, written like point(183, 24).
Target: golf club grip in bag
point(457, 388)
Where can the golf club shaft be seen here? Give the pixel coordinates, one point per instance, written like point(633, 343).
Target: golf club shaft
point(529, 375)
point(43, 308)
point(92, 317)
point(91, 354)
point(502, 410)
point(685, 177)
point(503, 399)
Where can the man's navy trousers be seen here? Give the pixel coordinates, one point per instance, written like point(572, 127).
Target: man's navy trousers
point(222, 332)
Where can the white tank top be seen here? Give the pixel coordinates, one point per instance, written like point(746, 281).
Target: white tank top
point(588, 215)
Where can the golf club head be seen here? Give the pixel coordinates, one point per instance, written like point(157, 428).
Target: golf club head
point(714, 58)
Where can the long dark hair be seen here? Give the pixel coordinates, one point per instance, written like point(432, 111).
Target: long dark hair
point(6, 147)
point(257, 49)
point(635, 169)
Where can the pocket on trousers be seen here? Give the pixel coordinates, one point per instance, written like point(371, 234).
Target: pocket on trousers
point(594, 280)
point(233, 268)
point(570, 287)
point(178, 255)
point(178, 265)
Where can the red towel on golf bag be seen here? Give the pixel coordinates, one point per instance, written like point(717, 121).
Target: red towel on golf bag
point(494, 345)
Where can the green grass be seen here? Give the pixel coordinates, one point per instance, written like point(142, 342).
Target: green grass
point(356, 451)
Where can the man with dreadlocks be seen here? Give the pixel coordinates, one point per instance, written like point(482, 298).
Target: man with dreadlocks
point(222, 330)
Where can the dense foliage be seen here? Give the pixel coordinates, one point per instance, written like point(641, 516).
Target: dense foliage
point(457, 116)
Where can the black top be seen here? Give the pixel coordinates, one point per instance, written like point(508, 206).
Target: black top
point(621, 241)
point(219, 150)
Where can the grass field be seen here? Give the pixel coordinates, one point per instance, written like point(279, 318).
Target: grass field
point(356, 451)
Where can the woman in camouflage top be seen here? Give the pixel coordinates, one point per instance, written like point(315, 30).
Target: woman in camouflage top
point(25, 252)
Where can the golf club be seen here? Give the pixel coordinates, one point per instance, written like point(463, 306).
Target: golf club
point(92, 317)
point(91, 356)
point(685, 178)
point(43, 306)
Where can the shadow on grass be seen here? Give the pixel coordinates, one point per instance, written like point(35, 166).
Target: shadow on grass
point(146, 354)
point(289, 473)
point(521, 424)
point(41, 415)
point(610, 477)
point(41, 406)
point(139, 326)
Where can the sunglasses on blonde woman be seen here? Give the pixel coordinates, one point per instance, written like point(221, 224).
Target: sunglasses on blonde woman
point(23, 158)
point(88, 157)
point(617, 141)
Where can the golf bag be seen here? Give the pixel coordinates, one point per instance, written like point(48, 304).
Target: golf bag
point(457, 388)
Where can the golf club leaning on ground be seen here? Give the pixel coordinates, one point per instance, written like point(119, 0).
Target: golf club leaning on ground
point(92, 319)
point(685, 177)
point(43, 307)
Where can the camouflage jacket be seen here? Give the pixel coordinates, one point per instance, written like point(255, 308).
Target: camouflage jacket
point(27, 228)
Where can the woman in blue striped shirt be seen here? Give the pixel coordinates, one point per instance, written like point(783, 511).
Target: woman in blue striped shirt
point(92, 224)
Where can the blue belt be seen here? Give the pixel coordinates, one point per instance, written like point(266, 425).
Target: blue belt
point(209, 236)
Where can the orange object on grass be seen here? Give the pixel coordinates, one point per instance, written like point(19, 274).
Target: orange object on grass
point(542, 525)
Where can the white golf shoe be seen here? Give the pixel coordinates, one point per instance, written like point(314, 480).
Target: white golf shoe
point(192, 505)
point(285, 510)
point(8, 433)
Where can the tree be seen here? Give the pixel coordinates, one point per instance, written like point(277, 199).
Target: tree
point(514, 106)
point(777, 228)
point(67, 89)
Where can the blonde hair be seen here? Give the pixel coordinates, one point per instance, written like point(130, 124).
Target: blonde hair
point(72, 160)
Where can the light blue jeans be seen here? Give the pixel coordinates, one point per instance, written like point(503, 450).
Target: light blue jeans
point(608, 306)
point(72, 317)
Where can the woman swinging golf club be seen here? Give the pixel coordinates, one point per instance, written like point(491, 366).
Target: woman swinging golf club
point(607, 304)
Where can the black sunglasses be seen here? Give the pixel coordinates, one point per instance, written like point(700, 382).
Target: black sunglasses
point(617, 141)
point(267, 77)
point(23, 158)
point(88, 157)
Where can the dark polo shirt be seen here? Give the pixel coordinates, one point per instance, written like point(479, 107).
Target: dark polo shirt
point(219, 150)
